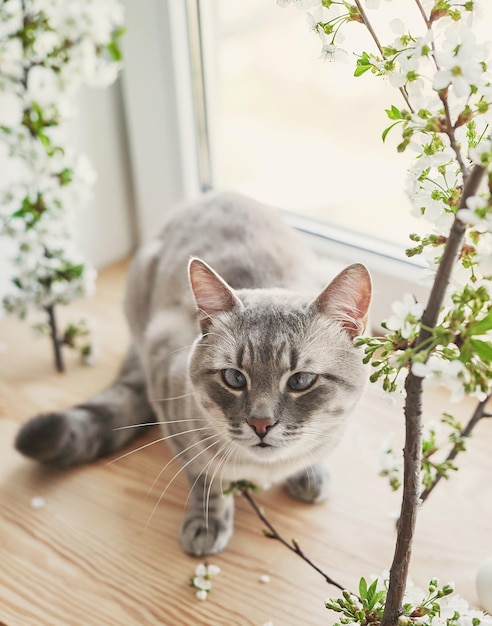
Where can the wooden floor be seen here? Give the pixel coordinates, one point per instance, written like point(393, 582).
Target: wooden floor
point(95, 556)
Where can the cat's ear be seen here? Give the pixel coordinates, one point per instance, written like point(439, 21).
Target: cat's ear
point(347, 299)
point(212, 294)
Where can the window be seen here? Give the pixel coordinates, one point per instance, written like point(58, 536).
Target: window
point(299, 132)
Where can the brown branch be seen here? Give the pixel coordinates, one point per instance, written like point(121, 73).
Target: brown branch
point(423, 13)
point(450, 133)
point(413, 418)
point(478, 414)
point(293, 546)
point(57, 343)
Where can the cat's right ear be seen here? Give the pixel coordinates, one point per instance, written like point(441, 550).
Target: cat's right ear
point(212, 294)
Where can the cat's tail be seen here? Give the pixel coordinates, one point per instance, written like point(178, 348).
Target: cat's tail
point(93, 429)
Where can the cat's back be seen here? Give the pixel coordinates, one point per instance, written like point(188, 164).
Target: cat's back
point(246, 242)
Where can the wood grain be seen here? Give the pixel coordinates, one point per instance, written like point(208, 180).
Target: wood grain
point(95, 555)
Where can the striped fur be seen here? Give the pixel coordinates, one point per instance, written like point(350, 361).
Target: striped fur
point(252, 371)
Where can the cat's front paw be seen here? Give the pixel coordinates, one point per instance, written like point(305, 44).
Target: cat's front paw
point(200, 537)
point(309, 485)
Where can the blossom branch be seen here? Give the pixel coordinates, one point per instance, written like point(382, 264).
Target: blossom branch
point(452, 137)
point(450, 255)
point(443, 96)
point(478, 414)
point(293, 546)
point(52, 59)
point(413, 418)
point(373, 34)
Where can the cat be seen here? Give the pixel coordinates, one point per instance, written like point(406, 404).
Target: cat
point(252, 371)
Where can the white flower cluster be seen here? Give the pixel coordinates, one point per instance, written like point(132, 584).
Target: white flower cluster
point(451, 609)
point(202, 580)
point(48, 50)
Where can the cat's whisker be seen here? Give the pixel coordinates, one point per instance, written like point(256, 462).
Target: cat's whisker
point(183, 467)
point(188, 347)
point(185, 395)
point(232, 450)
point(200, 474)
point(191, 419)
point(315, 437)
point(220, 465)
point(151, 443)
point(176, 456)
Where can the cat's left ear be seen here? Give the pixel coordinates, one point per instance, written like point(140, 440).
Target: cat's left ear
point(347, 298)
point(212, 294)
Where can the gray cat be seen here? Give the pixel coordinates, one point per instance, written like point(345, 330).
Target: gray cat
point(252, 372)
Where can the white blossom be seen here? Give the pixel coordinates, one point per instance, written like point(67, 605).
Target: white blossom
point(406, 314)
point(334, 53)
point(459, 60)
point(482, 153)
point(202, 580)
point(11, 109)
point(438, 371)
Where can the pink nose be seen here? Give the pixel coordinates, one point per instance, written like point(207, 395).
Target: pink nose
point(261, 425)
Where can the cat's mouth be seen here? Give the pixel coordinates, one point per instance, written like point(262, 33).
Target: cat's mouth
point(262, 444)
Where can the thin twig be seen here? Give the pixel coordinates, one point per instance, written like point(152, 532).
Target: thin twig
point(50, 310)
point(373, 34)
point(478, 414)
point(293, 546)
point(423, 13)
point(452, 137)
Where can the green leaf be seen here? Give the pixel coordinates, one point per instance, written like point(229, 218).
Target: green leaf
point(362, 587)
point(361, 69)
point(372, 595)
point(394, 113)
point(483, 349)
point(387, 130)
point(114, 50)
point(482, 326)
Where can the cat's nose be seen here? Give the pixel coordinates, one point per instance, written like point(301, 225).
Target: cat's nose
point(261, 425)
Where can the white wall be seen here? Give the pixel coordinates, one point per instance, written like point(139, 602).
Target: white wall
point(105, 230)
point(158, 106)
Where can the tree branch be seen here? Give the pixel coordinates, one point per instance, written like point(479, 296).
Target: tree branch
point(413, 417)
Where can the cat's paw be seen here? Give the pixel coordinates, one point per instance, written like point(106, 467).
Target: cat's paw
point(309, 485)
point(199, 537)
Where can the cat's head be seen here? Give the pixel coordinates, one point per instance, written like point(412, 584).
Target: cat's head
point(278, 371)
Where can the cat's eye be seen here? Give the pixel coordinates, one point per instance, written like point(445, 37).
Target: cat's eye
point(234, 378)
point(300, 381)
